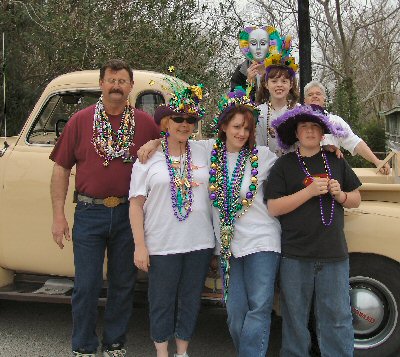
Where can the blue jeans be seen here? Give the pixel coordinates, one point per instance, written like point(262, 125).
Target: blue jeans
point(250, 301)
point(329, 283)
point(176, 282)
point(96, 228)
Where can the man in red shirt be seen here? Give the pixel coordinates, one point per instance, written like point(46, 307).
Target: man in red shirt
point(101, 141)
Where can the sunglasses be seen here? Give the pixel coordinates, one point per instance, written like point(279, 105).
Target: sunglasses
point(179, 120)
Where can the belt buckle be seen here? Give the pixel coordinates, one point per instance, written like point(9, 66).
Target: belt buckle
point(111, 202)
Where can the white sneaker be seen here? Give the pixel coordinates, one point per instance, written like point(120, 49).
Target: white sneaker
point(184, 355)
point(114, 353)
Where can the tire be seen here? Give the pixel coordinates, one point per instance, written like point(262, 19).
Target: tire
point(375, 300)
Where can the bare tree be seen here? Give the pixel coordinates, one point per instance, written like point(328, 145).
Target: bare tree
point(353, 42)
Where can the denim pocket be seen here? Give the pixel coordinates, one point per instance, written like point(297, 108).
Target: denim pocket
point(83, 206)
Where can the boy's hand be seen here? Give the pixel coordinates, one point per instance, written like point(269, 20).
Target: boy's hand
point(334, 188)
point(319, 186)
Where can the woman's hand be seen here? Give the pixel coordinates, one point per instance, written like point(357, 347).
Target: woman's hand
point(141, 258)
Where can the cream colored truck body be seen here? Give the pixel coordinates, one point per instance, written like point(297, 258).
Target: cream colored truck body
point(28, 250)
point(25, 171)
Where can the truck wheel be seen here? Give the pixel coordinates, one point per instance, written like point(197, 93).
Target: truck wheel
point(375, 304)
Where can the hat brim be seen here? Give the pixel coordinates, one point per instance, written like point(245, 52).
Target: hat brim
point(286, 125)
point(163, 111)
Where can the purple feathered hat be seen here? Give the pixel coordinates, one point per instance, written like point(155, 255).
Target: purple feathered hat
point(286, 125)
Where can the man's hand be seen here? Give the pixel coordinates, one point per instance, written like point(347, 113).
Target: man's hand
point(333, 148)
point(60, 230)
point(147, 150)
point(254, 69)
point(58, 192)
point(385, 169)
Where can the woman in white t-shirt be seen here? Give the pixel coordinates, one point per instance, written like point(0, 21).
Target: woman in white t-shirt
point(172, 225)
point(248, 236)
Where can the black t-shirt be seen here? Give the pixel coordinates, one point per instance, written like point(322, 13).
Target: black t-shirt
point(238, 78)
point(304, 236)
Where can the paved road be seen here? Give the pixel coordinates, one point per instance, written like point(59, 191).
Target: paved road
point(43, 330)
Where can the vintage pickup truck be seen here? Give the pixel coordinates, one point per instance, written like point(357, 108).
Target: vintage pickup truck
point(32, 267)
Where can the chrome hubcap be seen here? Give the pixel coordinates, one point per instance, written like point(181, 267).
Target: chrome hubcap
point(374, 310)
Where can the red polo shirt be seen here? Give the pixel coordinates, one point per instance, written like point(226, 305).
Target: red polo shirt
point(74, 147)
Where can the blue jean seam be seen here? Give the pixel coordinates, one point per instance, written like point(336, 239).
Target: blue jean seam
point(161, 340)
point(181, 338)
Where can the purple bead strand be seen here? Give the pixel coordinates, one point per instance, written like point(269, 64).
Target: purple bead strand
point(328, 172)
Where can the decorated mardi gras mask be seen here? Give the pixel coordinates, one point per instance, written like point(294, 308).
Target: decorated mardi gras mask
point(254, 43)
point(258, 44)
point(264, 44)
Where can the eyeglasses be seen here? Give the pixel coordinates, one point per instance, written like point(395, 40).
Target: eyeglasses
point(113, 81)
point(179, 120)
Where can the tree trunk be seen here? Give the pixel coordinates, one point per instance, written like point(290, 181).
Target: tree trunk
point(304, 45)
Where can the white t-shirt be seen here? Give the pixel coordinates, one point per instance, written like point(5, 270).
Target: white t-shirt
point(255, 231)
point(349, 142)
point(164, 234)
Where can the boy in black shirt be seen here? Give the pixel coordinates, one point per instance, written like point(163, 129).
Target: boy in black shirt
point(308, 189)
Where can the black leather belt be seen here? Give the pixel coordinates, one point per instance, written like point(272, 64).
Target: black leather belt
point(110, 202)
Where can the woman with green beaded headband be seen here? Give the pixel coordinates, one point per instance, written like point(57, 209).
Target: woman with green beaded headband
point(249, 238)
point(168, 198)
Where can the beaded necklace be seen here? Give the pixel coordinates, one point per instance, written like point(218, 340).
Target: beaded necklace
point(180, 181)
point(225, 195)
point(270, 131)
point(329, 174)
point(103, 135)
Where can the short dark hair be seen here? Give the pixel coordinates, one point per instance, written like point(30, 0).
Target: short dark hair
point(116, 65)
point(249, 120)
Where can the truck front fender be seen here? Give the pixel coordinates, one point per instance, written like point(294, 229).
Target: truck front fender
point(374, 228)
point(6, 277)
